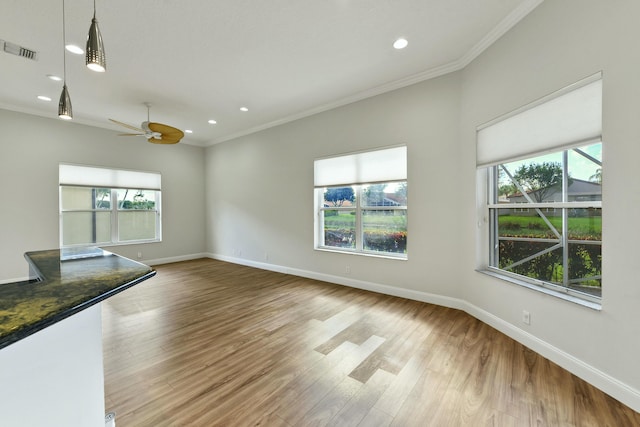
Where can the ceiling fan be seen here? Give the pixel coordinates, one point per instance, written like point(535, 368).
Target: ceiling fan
point(157, 133)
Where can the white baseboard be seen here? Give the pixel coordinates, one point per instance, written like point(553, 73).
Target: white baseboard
point(608, 384)
point(159, 261)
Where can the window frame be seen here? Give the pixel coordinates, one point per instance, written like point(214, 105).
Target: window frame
point(562, 120)
point(385, 165)
point(157, 210)
point(358, 208)
point(493, 206)
point(113, 180)
point(113, 210)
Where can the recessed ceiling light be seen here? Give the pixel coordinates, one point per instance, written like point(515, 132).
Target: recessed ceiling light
point(212, 122)
point(74, 49)
point(188, 131)
point(44, 98)
point(400, 43)
point(245, 109)
point(54, 78)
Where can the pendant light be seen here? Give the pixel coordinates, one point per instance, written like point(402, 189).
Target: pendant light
point(95, 57)
point(65, 110)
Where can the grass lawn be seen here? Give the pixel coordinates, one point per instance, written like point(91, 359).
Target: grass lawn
point(580, 228)
point(347, 221)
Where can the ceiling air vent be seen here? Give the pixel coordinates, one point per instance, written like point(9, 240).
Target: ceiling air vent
point(14, 49)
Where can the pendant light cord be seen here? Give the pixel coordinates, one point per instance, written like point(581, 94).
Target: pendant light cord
point(64, 42)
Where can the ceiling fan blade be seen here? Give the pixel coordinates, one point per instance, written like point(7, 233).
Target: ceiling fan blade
point(170, 135)
point(165, 140)
point(156, 133)
point(128, 126)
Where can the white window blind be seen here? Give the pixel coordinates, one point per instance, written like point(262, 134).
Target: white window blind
point(389, 164)
point(568, 117)
point(90, 176)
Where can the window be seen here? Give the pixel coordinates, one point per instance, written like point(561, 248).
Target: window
point(361, 203)
point(561, 245)
point(105, 207)
point(544, 207)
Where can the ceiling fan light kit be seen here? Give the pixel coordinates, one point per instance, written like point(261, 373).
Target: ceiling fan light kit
point(95, 55)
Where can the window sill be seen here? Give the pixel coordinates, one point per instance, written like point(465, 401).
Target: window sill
point(133, 242)
point(113, 244)
point(366, 254)
point(561, 295)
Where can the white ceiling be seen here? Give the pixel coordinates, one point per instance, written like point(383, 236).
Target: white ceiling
point(204, 59)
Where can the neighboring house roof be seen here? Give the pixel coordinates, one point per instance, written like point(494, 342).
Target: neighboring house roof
point(397, 200)
point(582, 187)
point(577, 188)
point(389, 199)
point(345, 204)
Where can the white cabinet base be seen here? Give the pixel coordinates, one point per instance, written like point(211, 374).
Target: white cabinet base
point(55, 377)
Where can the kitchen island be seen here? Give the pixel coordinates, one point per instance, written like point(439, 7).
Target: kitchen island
point(51, 369)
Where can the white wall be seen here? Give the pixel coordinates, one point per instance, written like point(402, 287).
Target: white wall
point(557, 44)
point(259, 188)
point(31, 148)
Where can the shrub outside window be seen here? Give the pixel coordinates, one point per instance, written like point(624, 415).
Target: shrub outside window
point(368, 218)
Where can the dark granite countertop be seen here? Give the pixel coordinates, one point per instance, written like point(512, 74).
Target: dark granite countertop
point(64, 287)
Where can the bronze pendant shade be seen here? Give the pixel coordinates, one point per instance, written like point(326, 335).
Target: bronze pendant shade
point(65, 110)
point(95, 56)
point(64, 105)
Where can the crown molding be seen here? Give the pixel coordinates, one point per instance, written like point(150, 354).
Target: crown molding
point(491, 37)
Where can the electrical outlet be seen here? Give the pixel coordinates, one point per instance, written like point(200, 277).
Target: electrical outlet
point(347, 269)
point(139, 255)
point(526, 317)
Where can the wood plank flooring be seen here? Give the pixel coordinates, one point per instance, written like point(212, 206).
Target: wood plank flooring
point(208, 343)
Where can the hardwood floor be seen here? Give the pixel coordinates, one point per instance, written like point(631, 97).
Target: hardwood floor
point(208, 343)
